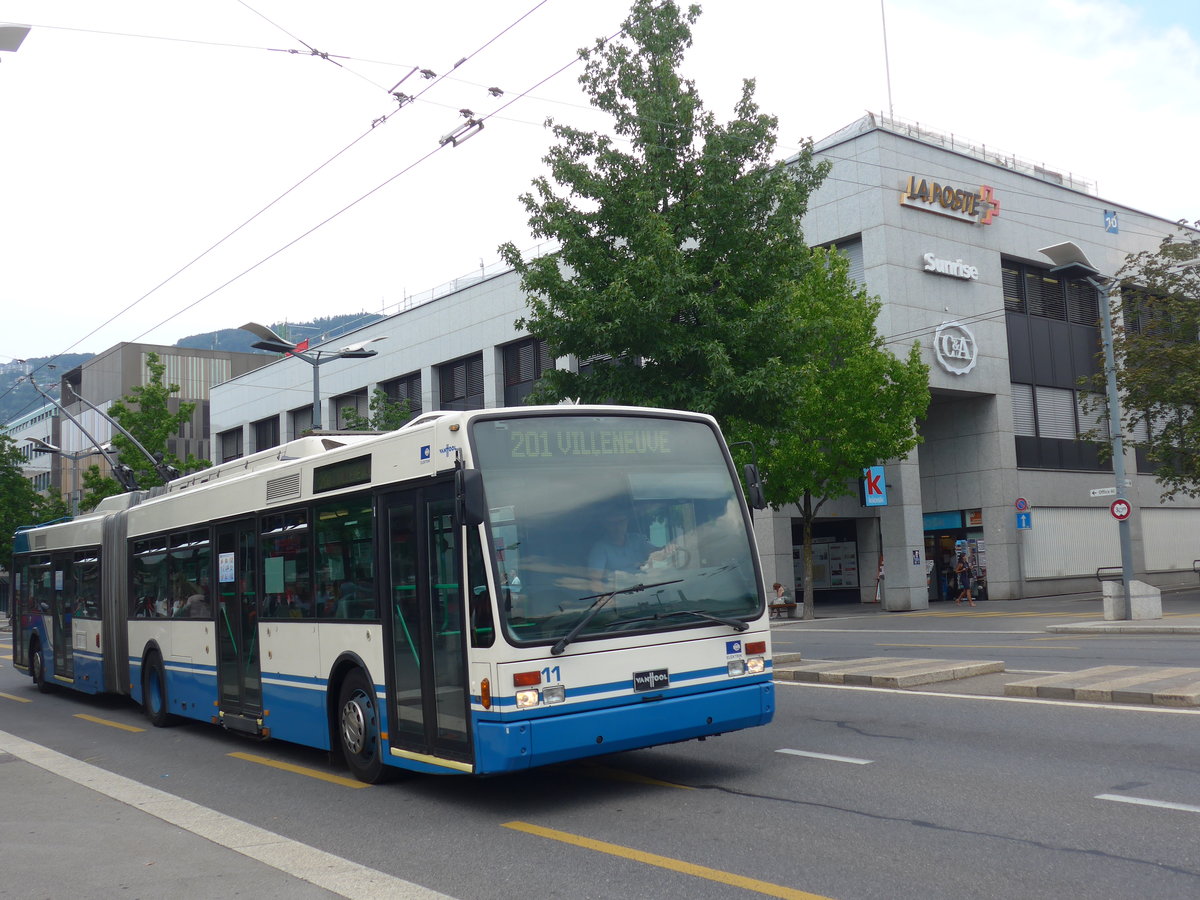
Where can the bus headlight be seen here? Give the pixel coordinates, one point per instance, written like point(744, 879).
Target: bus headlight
point(527, 699)
point(737, 667)
point(555, 693)
point(755, 665)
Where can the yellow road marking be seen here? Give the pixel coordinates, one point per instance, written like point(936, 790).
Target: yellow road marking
point(666, 862)
point(107, 722)
point(301, 770)
point(18, 699)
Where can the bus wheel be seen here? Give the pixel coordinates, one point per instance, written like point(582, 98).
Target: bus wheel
point(154, 691)
point(358, 728)
point(37, 667)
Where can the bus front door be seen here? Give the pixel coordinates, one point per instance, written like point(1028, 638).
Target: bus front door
point(428, 700)
point(238, 671)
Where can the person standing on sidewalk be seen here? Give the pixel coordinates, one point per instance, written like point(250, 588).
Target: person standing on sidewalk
point(963, 571)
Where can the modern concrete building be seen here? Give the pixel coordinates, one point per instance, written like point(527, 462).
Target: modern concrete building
point(41, 424)
point(111, 375)
point(948, 235)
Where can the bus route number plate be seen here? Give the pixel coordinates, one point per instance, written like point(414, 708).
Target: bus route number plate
point(650, 681)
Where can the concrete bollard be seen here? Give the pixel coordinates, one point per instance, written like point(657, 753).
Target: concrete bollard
point(1145, 599)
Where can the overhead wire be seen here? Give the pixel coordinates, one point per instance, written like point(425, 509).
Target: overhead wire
point(434, 79)
point(494, 113)
point(433, 82)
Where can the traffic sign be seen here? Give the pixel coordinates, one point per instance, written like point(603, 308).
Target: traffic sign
point(1120, 509)
point(1022, 504)
point(1024, 521)
point(1103, 492)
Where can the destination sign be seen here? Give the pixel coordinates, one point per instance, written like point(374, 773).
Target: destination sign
point(547, 444)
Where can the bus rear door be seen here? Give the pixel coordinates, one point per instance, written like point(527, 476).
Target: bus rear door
point(238, 670)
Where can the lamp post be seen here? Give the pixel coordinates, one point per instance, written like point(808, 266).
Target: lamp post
point(1070, 260)
point(40, 446)
point(315, 358)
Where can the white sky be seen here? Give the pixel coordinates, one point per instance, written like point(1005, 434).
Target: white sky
point(135, 134)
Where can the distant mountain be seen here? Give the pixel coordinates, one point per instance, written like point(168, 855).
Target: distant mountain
point(18, 399)
point(318, 331)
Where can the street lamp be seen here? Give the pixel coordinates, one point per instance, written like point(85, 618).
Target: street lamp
point(40, 446)
point(1070, 261)
point(315, 358)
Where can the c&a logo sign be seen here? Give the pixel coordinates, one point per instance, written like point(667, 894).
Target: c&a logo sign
point(956, 349)
point(978, 206)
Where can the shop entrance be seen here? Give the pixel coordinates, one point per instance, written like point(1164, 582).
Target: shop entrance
point(948, 534)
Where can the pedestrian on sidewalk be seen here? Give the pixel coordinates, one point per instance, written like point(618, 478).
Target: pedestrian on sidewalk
point(963, 571)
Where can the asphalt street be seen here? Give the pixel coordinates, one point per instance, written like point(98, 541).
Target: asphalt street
point(942, 790)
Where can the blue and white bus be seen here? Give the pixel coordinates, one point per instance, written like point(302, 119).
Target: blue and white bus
point(478, 592)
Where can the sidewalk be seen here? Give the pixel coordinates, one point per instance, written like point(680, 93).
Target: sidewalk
point(1181, 613)
point(72, 829)
point(1143, 685)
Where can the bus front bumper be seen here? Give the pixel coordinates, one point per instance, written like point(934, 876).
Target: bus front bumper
point(507, 746)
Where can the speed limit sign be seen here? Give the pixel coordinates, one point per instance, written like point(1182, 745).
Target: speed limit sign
point(1120, 509)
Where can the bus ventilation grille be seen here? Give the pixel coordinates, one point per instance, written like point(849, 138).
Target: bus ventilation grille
point(285, 488)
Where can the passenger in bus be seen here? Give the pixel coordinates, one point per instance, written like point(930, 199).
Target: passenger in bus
point(197, 607)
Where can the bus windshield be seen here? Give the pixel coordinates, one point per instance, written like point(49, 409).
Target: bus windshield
point(614, 523)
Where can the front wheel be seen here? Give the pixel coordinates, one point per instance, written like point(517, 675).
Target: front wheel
point(358, 728)
point(37, 668)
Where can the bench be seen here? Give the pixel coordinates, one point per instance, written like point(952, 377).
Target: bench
point(782, 610)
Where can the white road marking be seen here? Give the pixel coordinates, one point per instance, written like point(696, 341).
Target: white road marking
point(1141, 801)
point(1074, 704)
point(846, 759)
point(333, 873)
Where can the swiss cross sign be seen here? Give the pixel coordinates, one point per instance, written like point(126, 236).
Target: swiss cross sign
point(874, 488)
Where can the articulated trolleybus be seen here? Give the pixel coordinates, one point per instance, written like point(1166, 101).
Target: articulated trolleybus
point(477, 592)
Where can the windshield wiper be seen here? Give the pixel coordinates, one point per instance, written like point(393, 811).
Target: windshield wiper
point(735, 624)
point(598, 604)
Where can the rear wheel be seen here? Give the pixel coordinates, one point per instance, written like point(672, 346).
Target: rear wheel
point(358, 728)
point(154, 691)
point(37, 668)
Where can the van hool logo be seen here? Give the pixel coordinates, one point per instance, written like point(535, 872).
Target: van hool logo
point(979, 206)
point(956, 349)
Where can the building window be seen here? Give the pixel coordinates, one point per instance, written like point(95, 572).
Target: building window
point(266, 433)
point(229, 444)
point(301, 420)
point(1049, 424)
point(356, 401)
point(524, 363)
point(1053, 343)
point(407, 387)
point(461, 384)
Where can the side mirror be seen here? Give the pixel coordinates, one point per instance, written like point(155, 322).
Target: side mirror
point(468, 497)
point(754, 491)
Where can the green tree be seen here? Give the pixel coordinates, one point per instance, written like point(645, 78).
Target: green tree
point(384, 414)
point(20, 504)
point(857, 406)
point(146, 414)
point(680, 238)
point(684, 266)
point(1158, 358)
